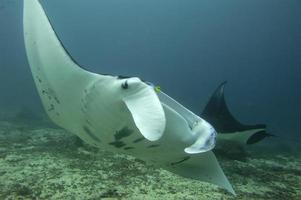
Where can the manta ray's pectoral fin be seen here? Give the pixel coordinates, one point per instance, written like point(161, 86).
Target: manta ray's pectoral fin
point(203, 167)
point(146, 110)
point(60, 81)
point(218, 115)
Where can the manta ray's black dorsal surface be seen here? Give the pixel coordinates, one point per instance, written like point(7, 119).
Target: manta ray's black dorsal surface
point(218, 114)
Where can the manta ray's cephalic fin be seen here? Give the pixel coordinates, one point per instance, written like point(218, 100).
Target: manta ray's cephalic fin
point(218, 114)
point(146, 110)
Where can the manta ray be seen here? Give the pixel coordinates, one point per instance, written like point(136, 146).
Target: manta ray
point(230, 129)
point(126, 114)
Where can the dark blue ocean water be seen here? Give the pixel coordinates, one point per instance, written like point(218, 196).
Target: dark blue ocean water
point(186, 47)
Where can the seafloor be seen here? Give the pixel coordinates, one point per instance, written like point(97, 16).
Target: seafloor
point(38, 161)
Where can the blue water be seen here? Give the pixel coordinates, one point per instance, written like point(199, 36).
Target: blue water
point(186, 47)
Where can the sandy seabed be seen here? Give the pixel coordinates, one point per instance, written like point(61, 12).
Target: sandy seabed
point(41, 162)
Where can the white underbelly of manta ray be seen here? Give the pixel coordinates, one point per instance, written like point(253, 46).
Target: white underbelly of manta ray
point(121, 114)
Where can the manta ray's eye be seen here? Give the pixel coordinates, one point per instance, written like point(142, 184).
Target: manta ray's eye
point(125, 85)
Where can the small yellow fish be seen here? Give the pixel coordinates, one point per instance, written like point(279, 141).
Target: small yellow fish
point(157, 89)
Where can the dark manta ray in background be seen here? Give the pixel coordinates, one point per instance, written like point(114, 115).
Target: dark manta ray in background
point(121, 114)
point(230, 130)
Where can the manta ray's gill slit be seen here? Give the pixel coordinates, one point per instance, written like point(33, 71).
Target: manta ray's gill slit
point(139, 140)
point(83, 110)
point(123, 133)
point(178, 162)
point(84, 106)
point(117, 144)
point(88, 122)
point(153, 146)
point(87, 97)
point(128, 148)
point(90, 134)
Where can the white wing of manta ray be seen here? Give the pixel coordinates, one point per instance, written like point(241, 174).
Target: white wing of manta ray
point(121, 114)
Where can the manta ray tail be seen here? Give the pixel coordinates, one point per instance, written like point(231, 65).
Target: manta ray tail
point(218, 114)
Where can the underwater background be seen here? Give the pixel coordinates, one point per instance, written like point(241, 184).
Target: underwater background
point(187, 48)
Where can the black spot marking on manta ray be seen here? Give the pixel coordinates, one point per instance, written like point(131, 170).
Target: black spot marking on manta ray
point(138, 140)
point(51, 108)
point(38, 78)
point(57, 100)
point(124, 132)
point(128, 148)
point(153, 146)
point(88, 131)
point(183, 160)
point(117, 144)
